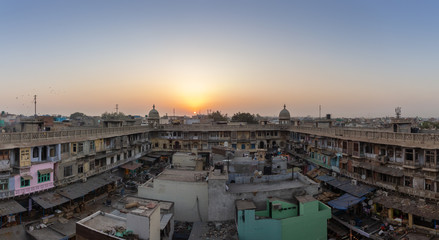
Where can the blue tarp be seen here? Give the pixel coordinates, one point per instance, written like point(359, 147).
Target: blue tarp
point(325, 178)
point(345, 201)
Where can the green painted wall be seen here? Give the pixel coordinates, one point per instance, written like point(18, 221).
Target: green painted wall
point(310, 224)
point(251, 229)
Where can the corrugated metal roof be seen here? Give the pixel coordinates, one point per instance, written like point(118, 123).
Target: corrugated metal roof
point(358, 190)
point(80, 189)
point(131, 166)
point(10, 207)
point(165, 220)
point(49, 199)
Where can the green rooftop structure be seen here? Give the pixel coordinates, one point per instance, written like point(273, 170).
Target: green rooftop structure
point(302, 219)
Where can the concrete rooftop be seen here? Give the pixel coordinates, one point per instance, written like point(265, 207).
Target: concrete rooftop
point(182, 175)
point(271, 186)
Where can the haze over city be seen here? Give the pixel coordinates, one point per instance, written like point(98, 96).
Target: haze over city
point(353, 58)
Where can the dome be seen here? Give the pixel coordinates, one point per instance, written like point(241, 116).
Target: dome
point(284, 114)
point(153, 114)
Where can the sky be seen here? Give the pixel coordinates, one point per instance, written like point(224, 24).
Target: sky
point(354, 58)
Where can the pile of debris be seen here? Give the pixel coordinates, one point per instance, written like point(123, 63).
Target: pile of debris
point(221, 230)
point(182, 230)
point(121, 232)
point(327, 196)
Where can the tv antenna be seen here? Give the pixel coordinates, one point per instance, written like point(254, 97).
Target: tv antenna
point(35, 105)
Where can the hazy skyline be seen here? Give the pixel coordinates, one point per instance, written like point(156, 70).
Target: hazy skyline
point(355, 58)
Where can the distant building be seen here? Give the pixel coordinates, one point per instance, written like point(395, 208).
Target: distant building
point(305, 218)
point(153, 117)
point(284, 116)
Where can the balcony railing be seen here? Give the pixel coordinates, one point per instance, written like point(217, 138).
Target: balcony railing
point(66, 135)
point(408, 139)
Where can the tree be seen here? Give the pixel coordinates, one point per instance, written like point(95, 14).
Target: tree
point(113, 116)
point(77, 115)
point(217, 116)
point(244, 117)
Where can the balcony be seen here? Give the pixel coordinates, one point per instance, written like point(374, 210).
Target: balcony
point(411, 164)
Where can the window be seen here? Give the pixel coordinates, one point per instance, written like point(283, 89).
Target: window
point(68, 171)
point(80, 147)
point(4, 154)
point(4, 184)
point(429, 156)
point(52, 151)
point(65, 147)
point(118, 157)
point(43, 177)
point(92, 145)
point(112, 160)
point(234, 146)
point(24, 182)
point(35, 152)
point(253, 146)
point(409, 154)
point(92, 165)
point(74, 147)
point(428, 185)
point(408, 181)
point(80, 168)
point(242, 146)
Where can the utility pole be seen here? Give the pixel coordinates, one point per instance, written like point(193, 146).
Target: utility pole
point(320, 111)
point(35, 104)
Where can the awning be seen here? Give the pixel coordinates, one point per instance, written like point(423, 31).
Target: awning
point(345, 201)
point(409, 205)
point(358, 190)
point(389, 171)
point(49, 199)
point(165, 220)
point(45, 171)
point(27, 177)
point(325, 178)
point(131, 166)
point(10, 207)
point(80, 189)
point(148, 159)
point(338, 182)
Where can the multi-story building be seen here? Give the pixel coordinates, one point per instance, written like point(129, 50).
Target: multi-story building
point(394, 160)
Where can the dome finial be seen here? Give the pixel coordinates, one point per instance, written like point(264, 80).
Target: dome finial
point(285, 106)
point(153, 106)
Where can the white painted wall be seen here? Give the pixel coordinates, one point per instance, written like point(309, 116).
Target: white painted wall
point(139, 225)
point(183, 194)
point(154, 223)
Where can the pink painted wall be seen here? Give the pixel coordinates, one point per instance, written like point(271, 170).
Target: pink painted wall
point(34, 185)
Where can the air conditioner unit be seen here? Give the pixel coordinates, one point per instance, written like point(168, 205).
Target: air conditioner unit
point(363, 177)
point(354, 182)
point(334, 174)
